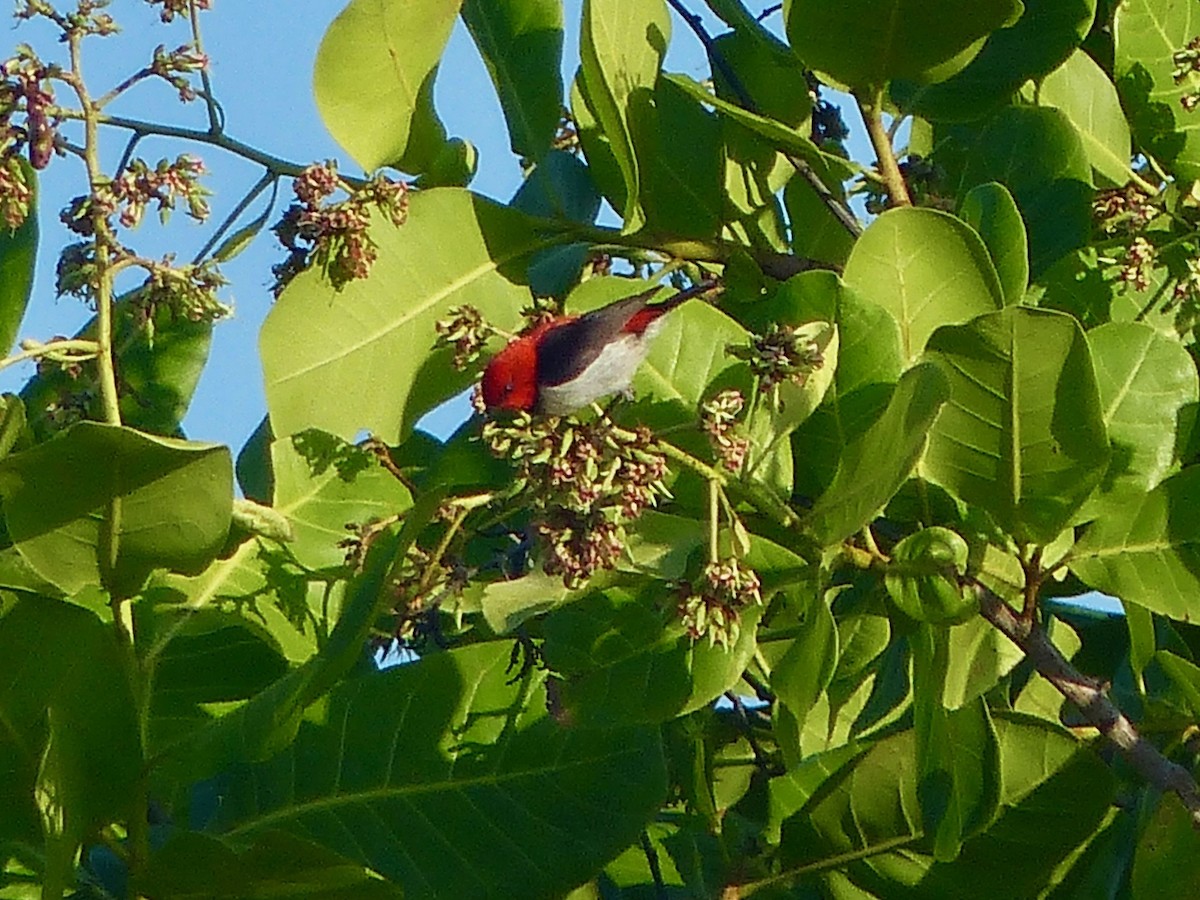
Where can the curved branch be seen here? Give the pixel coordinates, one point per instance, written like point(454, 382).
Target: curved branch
point(1089, 696)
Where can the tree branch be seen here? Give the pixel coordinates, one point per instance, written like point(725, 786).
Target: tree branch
point(872, 114)
point(1089, 696)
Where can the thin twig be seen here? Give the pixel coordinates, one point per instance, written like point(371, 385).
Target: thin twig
point(839, 210)
point(215, 124)
point(269, 178)
point(660, 886)
point(1089, 696)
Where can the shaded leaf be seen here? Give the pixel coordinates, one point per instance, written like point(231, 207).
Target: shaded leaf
point(990, 209)
point(924, 577)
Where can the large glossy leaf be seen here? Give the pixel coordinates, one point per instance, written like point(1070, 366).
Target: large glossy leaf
point(447, 756)
point(990, 209)
point(873, 467)
point(621, 45)
point(363, 357)
point(521, 45)
point(323, 493)
point(174, 499)
point(1164, 863)
point(1148, 550)
point(18, 252)
point(1022, 435)
point(373, 80)
point(69, 726)
point(1148, 392)
point(626, 660)
point(1036, 44)
point(1082, 91)
point(927, 269)
point(1148, 33)
point(1039, 156)
point(864, 43)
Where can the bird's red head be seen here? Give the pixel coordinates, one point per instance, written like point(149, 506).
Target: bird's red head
point(510, 379)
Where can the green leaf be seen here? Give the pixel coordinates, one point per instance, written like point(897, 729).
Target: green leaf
point(873, 467)
point(1022, 435)
point(979, 657)
point(70, 736)
point(191, 866)
point(322, 493)
point(1148, 389)
point(958, 753)
point(1147, 34)
point(621, 45)
point(444, 753)
point(1039, 156)
point(626, 661)
point(174, 497)
point(784, 138)
point(816, 232)
point(559, 187)
point(1184, 675)
point(806, 669)
point(18, 253)
point(866, 43)
point(1033, 46)
point(1164, 865)
point(990, 209)
point(1082, 91)
point(1148, 551)
point(373, 80)
point(363, 357)
point(924, 578)
point(507, 604)
point(927, 269)
point(521, 45)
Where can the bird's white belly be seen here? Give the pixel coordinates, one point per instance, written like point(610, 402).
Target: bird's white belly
point(611, 372)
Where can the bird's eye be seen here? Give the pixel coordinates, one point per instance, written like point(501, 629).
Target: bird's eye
point(509, 387)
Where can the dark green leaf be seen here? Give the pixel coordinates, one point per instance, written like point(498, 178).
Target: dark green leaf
point(1164, 865)
point(174, 502)
point(521, 45)
point(807, 667)
point(1022, 435)
point(444, 753)
point(866, 43)
point(1033, 46)
point(873, 467)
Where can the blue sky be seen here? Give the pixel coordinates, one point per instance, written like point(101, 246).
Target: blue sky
point(262, 54)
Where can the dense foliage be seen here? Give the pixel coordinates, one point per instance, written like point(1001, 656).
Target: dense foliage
point(795, 620)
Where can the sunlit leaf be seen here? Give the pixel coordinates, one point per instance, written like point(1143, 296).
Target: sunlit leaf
point(1084, 93)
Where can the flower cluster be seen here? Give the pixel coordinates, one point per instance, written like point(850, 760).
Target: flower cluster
point(1125, 210)
point(584, 483)
point(712, 607)
point(1187, 62)
point(1139, 264)
point(785, 353)
point(15, 194)
point(334, 235)
point(718, 420)
point(465, 331)
point(173, 8)
point(173, 68)
point(85, 19)
point(188, 291)
point(26, 87)
point(139, 186)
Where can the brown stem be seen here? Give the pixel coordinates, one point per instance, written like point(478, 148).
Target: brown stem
point(872, 113)
point(1089, 696)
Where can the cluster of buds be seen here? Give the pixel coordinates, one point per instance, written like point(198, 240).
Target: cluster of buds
point(1125, 210)
point(26, 87)
point(174, 67)
point(925, 180)
point(785, 353)
point(1187, 62)
point(335, 235)
point(566, 136)
point(465, 331)
point(139, 186)
point(584, 482)
point(188, 291)
point(85, 19)
point(15, 194)
point(718, 420)
point(1185, 298)
point(712, 607)
point(173, 8)
point(1138, 265)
